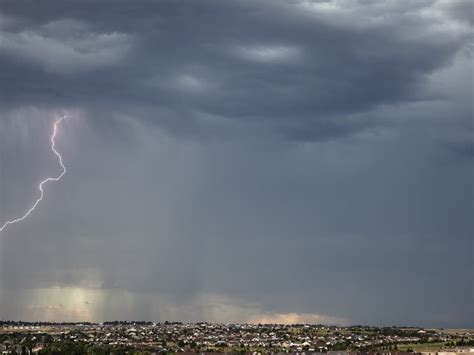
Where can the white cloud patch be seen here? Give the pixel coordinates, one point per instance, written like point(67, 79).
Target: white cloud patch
point(442, 18)
point(269, 53)
point(191, 84)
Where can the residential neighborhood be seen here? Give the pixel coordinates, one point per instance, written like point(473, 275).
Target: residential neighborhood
point(170, 337)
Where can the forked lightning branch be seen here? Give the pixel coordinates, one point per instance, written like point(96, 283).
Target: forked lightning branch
point(43, 183)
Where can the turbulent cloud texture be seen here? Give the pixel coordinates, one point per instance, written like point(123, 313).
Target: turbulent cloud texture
point(239, 160)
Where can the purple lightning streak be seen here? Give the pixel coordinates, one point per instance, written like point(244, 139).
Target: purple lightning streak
point(45, 181)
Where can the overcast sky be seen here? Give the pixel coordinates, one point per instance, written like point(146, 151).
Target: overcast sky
point(239, 161)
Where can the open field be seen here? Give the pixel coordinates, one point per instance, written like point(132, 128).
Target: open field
point(422, 347)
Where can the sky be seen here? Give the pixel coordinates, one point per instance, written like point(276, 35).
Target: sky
point(239, 161)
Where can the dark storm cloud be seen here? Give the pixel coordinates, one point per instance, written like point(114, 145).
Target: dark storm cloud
point(461, 9)
point(332, 176)
point(300, 67)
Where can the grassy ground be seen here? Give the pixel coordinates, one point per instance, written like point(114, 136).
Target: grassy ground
point(422, 347)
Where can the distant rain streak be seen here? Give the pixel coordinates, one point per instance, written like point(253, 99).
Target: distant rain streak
point(45, 181)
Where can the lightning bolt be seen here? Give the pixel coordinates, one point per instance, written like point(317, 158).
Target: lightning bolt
point(45, 181)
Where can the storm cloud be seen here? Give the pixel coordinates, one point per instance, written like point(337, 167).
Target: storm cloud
point(248, 160)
